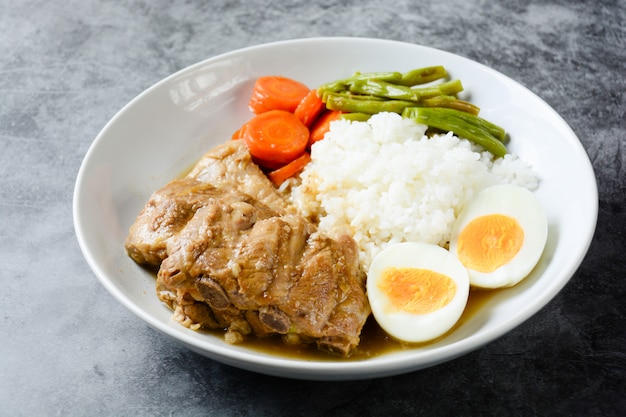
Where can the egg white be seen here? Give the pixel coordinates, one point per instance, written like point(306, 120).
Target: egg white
point(406, 326)
point(520, 204)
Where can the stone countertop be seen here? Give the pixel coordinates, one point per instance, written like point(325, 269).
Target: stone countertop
point(69, 349)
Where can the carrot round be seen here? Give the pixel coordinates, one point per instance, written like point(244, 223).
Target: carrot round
point(283, 173)
point(275, 92)
point(322, 125)
point(309, 108)
point(239, 132)
point(276, 137)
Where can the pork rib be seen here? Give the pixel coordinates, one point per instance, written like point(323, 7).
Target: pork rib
point(234, 255)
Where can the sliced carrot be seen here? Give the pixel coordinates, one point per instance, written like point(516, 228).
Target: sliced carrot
point(276, 136)
point(283, 173)
point(322, 125)
point(275, 92)
point(310, 108)
point(267, 166)
point(239, 132)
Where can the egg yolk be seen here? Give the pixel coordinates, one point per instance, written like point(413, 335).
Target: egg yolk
point(415, 290)
point(490, 241)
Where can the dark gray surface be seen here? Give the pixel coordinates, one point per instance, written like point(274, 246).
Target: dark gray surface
point(68, 348)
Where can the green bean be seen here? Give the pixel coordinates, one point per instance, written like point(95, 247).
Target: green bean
point(450, 102)
point(449, 88)
point(400, 92)
point(347, 94)
point(333, 87)
point(390, 76)
point(342, 85)
point(347, 103)
point(383, 89)
point(357, 117)
point(423, 75)
point(399, 81)
point(459, 123)
point(493, 129)
point(437, 106)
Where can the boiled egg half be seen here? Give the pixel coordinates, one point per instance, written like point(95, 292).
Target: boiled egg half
point(500, 236)
point(417, 291)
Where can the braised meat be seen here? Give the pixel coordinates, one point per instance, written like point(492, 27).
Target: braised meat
point(231, 165)
point(233, 255)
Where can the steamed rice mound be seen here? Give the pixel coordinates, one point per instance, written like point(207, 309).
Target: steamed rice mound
point(388, 182)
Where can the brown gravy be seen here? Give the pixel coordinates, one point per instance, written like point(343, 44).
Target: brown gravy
point(374, 340)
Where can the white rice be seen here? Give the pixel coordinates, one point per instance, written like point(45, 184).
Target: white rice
point(389, 183)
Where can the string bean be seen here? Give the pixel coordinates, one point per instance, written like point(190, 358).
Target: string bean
point(347, 103)
point(462, 124)
point(423, 75)
point(435, 105)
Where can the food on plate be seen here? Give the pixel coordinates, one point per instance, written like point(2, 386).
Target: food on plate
point(226, 260)
point(229, 166)
point(309, 108)
point(371, 95)
point(275, 92)
point(322, 125)
point(500, 236)
point(370, 192)
point(417, 291)
point(357, 98)
point(275, 138)
point(388, 182)
point(282, 174)
point(436, 106)
point(465, 125)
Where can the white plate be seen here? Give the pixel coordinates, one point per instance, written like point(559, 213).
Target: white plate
point(164, 130)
